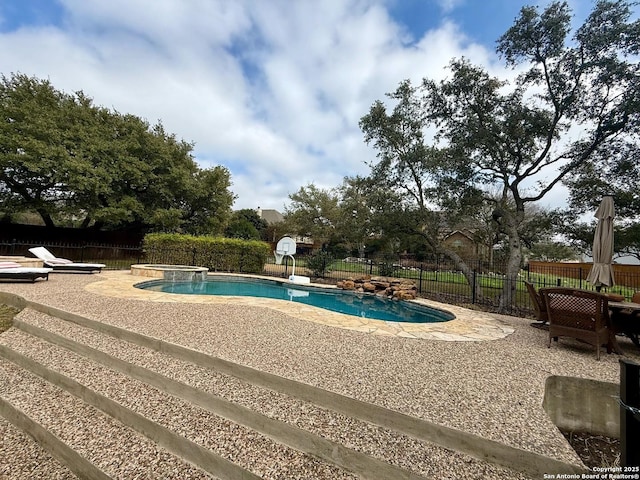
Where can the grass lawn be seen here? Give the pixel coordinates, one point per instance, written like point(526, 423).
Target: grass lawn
point(6, 317)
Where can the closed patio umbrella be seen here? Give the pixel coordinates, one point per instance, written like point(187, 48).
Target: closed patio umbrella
point(602, 272)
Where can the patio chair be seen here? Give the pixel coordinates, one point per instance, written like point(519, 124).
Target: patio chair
point(13, 271)
point(580, 314)
point(538, 305)
point(62, 264)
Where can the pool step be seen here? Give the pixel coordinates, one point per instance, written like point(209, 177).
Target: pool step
point(379, 443)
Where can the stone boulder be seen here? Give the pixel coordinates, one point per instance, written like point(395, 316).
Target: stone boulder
point(347, 285)
point(399, 289)
point(369, 287)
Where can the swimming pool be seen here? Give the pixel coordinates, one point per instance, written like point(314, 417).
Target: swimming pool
point(349, 303)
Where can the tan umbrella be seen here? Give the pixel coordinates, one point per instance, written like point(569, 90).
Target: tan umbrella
point(602, 272)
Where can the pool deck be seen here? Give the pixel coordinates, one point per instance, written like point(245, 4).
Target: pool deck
point(469, 325)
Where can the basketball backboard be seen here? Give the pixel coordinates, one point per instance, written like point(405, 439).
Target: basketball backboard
point(286, 246)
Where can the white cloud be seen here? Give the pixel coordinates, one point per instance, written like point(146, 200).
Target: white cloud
point(272, 90)
point(449, 5)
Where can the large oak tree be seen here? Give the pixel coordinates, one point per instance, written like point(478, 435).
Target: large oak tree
point(67, 159)
point(575, 100)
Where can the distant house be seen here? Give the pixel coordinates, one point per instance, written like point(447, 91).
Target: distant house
point(270, 216)
point(273, 217)
point(463, 243)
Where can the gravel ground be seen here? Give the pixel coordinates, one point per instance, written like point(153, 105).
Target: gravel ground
point(493, 389)
point(238, 444)
point(400, 450)
point(114, 448)
point(22, 457)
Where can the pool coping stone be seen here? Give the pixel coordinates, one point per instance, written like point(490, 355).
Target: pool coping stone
point(468, 325)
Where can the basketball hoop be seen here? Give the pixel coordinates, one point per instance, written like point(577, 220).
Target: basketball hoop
point(286, 247)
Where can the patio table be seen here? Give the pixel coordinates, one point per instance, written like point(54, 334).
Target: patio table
point(625, 318)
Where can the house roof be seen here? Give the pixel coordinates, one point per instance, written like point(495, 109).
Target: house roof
point(466, 234)
point(270, 216)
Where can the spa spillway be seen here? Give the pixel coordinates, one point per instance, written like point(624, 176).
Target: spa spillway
point(171, 273)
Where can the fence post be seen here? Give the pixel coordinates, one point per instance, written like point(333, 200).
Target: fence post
point(473, 287)
point(580, 272)
point(420, 279)
point(13, 247)
point(629, 413)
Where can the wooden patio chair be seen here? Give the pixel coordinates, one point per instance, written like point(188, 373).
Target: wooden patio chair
point(580, 314)
point(538, 305)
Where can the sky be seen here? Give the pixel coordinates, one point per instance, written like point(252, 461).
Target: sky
point(271, 89)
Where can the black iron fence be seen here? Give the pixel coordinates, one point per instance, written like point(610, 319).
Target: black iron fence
point(438, 278)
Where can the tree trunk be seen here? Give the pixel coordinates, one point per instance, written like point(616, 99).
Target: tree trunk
point(46, 218)
point(509, 290)
point(466, 271)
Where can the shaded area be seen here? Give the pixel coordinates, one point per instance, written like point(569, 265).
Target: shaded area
point(595, 450)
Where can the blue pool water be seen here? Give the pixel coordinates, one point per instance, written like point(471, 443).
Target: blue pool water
point(350, 303)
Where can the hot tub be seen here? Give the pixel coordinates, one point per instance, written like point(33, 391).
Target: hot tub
point(171, 273)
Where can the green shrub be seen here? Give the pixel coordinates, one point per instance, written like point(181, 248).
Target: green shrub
point(6, 317)
point(386, 269)
point(320, 263)
point(216, 253)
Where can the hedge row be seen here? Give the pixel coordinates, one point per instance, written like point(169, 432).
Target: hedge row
point(216, 253)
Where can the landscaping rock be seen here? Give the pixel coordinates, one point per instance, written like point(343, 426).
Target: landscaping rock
point(399, 289)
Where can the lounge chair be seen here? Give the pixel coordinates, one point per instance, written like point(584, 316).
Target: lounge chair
point(538, 305)
point(62, 264)
point(14, 271)
point(580, 314)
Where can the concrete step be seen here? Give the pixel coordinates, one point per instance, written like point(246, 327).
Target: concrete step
point(91, 443)
point(22, 457)
point(195, 415)
point(188, 431)
point(344, 437)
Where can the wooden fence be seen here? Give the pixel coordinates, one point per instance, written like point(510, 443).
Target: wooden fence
point(625, 275)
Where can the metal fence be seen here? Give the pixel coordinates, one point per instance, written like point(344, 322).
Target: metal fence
point(438, 279)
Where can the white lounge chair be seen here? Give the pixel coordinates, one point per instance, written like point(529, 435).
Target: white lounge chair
point(62, 264)
point(14, 271)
